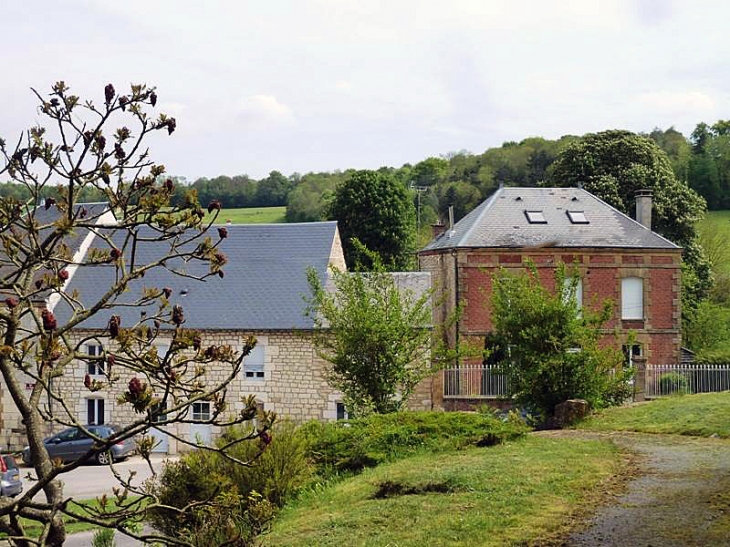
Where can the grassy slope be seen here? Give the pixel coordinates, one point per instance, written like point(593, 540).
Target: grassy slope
point(701, 415)
point(522, 491)
point(252, 215)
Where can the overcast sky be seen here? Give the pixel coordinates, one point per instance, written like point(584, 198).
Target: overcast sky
point(319, 85)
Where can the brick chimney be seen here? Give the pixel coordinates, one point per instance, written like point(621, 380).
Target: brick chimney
point(437, 229)
point(643, 207)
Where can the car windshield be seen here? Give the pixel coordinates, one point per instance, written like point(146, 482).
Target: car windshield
point(8, 462)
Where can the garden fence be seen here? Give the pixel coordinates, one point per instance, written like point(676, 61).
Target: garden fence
point(474, 382)
point(686, 378)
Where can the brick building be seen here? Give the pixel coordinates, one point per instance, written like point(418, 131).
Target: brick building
point(617, 258)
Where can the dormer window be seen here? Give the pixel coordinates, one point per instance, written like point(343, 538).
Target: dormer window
point(535, 217)
point(577, 217)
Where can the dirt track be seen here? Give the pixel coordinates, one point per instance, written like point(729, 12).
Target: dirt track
point(679, 497)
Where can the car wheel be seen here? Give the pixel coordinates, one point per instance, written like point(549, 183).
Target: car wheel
point(104, 458)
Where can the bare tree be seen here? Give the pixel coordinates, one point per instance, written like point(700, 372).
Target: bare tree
point(100, 147)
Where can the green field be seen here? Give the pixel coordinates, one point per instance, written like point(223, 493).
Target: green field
point(701, 415)
point(252, 215)
point(518, 493)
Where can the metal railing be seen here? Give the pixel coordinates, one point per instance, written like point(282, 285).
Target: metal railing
point(686, 378)
point(474, 382)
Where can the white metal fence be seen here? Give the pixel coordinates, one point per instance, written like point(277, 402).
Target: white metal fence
point(686, 378)
point(484, 382)
point(474, 382)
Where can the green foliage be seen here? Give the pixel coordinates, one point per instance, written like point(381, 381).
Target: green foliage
point(375, 335)
point(374, 208)
point(367, 442)
point(553, 351)
point(673, 383)
point(709, 330)
point(103, 537)
point(276, 473)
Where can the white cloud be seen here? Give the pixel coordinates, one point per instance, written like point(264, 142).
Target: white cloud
point(677, 102)
point(264, 111)
point(343, 85)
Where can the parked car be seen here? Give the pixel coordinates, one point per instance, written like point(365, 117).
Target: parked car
point(72, 444)
point(10, 482)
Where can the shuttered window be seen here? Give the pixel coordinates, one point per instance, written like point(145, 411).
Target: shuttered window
point(632, 298)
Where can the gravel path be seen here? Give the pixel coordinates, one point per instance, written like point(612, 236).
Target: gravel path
point(680, 497)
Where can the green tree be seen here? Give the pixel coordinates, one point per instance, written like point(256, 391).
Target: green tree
point(613, 165)
point(375, 335)
point(552, 348)
point(378, 211)
point(429, 171)
point(85, 148)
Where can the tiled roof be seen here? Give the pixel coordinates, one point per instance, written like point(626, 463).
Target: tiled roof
point(501, 221)
point(265, 278)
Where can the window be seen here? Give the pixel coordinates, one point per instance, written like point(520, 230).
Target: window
point(632, 298)
point(341, 411)
point(201, 411)
point(577, 217)
point(578, 290)
point(94, 411)
point(95, 365)
point(159, 412)
point(535, 217)
point(631, 352)
point(253, 363)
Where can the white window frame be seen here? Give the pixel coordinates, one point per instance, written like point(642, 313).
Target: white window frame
point(338, 405)
point(95, 368)
point(201, 411)
point(254, 364)
point(578, 290)
point(632, 298)
point(98, 413)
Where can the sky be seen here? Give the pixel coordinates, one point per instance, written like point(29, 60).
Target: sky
point(321, 85)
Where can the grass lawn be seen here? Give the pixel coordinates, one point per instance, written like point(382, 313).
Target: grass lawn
point(73, 526)
point(252, 215)
point(701, 415)
point(523, 491)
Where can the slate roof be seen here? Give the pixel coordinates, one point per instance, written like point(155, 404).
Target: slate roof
point(265, 278)
point(500, 221)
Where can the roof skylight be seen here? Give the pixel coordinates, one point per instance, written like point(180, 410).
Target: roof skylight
point(535, 217)
point(577, 217)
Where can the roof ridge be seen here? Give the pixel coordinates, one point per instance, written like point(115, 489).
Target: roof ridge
point(487, 204)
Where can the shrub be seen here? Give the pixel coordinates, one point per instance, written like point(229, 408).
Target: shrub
point(673, 382)
point(103, 537)
point(251, 493)
point(367, 442)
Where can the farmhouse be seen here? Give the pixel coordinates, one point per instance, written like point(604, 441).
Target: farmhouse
point(615, 256)
point(260, 295)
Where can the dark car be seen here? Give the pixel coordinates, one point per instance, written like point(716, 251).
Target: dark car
point(72, 444)
point(10, 483)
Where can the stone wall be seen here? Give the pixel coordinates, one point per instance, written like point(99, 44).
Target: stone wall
point(293, 386)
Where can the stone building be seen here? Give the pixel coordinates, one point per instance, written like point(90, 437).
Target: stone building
point(616, 257)
point(260, 295)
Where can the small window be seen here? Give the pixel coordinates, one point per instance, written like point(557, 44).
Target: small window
point(158, 412)
point(632, 298)
point(535, 217)
point(631, 352)
point(253, 363)
point(577, 217)
point(95, 367)
point(201, 411)
point(95, 411)
point(341, 411)
point(578, 290)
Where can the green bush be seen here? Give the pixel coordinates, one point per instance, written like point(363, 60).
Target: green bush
point(673, 382)
point(367, 442)
point(103, 537)
point(250, 493)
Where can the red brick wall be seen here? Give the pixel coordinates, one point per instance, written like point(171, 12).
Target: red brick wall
point(601, 271)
